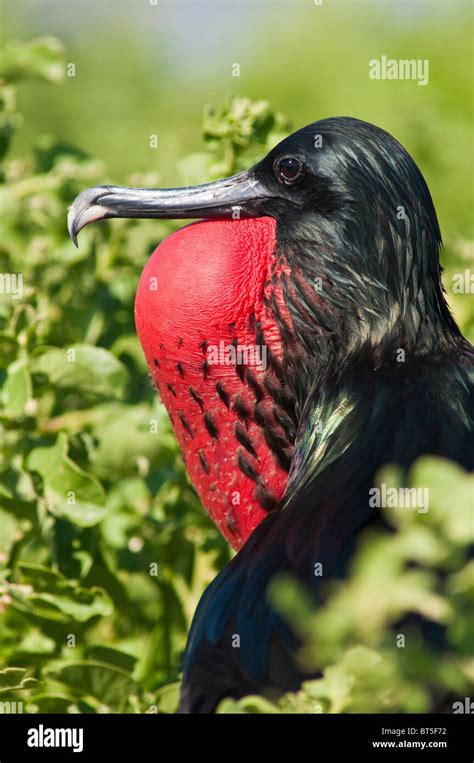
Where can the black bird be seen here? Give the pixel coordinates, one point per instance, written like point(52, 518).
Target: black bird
point(326, 255)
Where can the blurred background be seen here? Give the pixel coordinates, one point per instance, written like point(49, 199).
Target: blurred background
point(145, 68)
point(104, 548)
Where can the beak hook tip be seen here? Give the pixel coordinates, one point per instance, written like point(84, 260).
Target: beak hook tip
point(72, 226)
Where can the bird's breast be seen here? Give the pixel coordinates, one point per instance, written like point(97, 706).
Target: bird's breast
point(213, 346)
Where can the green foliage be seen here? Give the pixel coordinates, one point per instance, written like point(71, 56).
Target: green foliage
point(104, 548)
point(235, 137)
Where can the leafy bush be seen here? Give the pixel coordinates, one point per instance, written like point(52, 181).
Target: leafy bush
point(104, 548)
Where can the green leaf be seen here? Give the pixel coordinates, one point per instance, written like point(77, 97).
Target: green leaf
point(15, 679)
point(47, 595)
point(128, 434)
point(17, 389)
point(16, 486)
point(70, 492)
point(108, 684)
point(83, 368)
point(35, 643)
point(451, 492)
point(111, 656)
point(167, 698)
point(8, 531)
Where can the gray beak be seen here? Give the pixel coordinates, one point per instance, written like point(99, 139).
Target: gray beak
point(241, 195)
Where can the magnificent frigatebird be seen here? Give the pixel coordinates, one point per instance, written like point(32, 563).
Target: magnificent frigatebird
point(324, 257)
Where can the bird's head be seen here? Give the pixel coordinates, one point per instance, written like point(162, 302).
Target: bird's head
point(325, 254)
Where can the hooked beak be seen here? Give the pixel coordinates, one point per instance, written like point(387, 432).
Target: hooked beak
point(238, 196)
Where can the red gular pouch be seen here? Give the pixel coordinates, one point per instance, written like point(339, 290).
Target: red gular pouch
point(211, 341)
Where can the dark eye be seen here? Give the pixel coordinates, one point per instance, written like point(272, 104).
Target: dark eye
point(288, 169)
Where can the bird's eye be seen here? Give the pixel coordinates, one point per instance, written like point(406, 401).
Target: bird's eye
point(288, 169)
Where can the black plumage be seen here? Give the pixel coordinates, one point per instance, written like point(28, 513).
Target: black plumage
point(376, 372)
